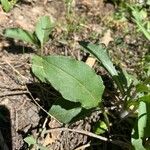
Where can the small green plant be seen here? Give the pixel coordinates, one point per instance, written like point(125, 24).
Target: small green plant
point(78, 84)
point(141, 131)
point(82, 89)
point(38, 38)
point(8, 5)
point(140, 101)
point(140, 17)
point(32, 143)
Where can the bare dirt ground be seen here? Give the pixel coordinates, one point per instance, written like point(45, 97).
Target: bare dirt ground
point(18, 90)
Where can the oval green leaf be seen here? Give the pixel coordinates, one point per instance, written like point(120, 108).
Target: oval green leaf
point(43, 29)
point(141, 129)
point(101, 54)
point(30, 140)
point(20, 34)
point(75, 80)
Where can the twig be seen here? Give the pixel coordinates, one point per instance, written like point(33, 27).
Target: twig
point(116, 142)
point(79, 131)
point(87, 145)
point(15, 70)
point(83, 146)
point(13, 93)
point(43, 127)
point(12, 88)
point(40, 106)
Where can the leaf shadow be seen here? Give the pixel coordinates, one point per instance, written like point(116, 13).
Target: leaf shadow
point(45, 94)
point(5, 129)
point(48, 96)
point(17, 47)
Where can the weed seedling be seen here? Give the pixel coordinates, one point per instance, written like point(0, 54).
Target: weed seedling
point(8, 5)
point(38, 38)
point(78, 84)
point(140, 101)
point(81, 88)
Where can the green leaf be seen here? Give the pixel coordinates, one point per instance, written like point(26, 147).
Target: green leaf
point(38, 68)
point(43, 29)
point(138, 17)
point(147, 80)
point(142, 129)
point(142, 88)
point(20, 34)
point(145, 98)
point(75, 80)
point(138, 131)
point(142, 119)
point(143, 29)
point(101, 54)
point(65, 111)
point(148, 2)
point(100, 127)
point(30, 140)
point(137, 144)
point(6, 5)
point(130, 79)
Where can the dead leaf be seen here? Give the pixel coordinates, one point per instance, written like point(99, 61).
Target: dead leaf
point(90, 61)
point(52, 137)
point(106, 39)
point(49, 140)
